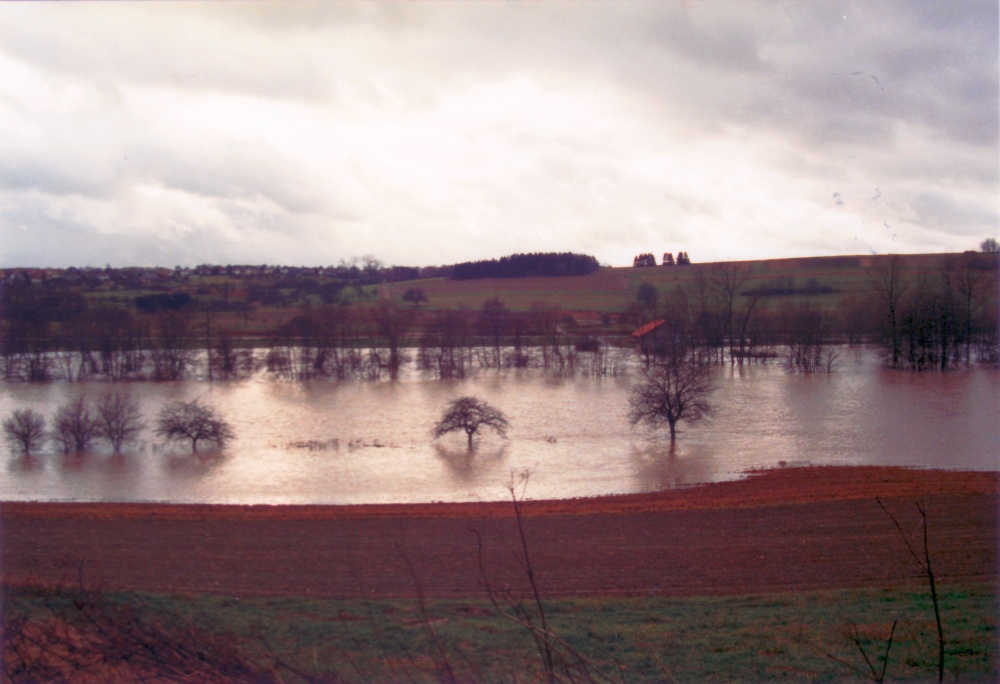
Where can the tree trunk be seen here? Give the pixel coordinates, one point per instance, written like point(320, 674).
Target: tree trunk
point(673, 434)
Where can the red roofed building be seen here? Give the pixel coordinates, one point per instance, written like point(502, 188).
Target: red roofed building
point(646, 329)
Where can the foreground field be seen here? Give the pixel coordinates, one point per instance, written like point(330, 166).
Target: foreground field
point(791, 637)
point(794, 557)
point(784, 530)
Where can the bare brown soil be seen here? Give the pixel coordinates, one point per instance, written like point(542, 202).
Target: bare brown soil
point(782, 530)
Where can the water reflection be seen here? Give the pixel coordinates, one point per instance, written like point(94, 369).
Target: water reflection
point(77, 460)
point(194, 464)
point(24, 464)
point(658, 468)
point(479, 465)
point(357, 442)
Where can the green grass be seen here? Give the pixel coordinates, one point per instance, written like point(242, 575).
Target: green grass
point(607, 291)
point(790, 637)
point(610, 290)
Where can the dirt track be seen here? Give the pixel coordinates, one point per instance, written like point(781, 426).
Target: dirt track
point(783, 530)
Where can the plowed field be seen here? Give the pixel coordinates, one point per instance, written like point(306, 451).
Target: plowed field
point(782, 530)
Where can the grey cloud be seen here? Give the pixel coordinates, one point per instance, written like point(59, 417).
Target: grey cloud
point(224, 170)
point(18, 172)
point(940, 76)
point(901, 95)
point(168, 45)
point(32, 234)
point(228, 169)
point(36, 232)
point(943, 213)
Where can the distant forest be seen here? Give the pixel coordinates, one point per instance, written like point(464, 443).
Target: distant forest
point(527, 265)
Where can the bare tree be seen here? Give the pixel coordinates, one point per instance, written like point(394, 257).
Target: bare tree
point(470, 414)
point(118, 419)
point(173, 356)
point(729, 283)
point(545, 319)
point(806, 330)
point(674, 390)
point(971, 285)
point(117, 342)
point(229, 359)
point(494, 319)
point(75, 426)
point(24, 430)
point(192, 420)
point(390, 326)
point(889, 286)
point(444, 344)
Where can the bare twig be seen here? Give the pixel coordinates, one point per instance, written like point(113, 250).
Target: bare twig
point(925, 565)
point(876, 675)
point(441, 660)
point(559, 659)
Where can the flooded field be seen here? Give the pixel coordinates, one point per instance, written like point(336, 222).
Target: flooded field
point(362, 442)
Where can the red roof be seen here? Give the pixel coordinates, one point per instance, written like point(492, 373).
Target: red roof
point(648, 328)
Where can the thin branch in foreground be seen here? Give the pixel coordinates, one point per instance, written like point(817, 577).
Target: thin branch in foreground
point(925, 565)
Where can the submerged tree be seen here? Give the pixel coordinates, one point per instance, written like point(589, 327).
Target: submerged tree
point(192, 420)
point(75, 427)
point(25, 430)
point(119, 419)
point(671, 391)
point(470, 414)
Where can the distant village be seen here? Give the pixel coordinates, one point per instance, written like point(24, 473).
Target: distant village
point(139, 276)
point(143, 275)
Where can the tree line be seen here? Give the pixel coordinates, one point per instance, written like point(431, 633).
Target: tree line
point(330, 341)
point(648, 259)
point(527, 265)
point(922, 318)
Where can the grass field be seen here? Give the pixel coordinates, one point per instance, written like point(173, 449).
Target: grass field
point(610, 290)
point(825, 282)
point(806, 637)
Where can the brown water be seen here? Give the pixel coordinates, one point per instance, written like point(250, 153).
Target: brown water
point(371, 441)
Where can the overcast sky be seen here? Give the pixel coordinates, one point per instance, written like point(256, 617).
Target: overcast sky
point(423, 134)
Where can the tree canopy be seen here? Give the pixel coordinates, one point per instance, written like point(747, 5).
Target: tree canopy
point(192, 420)
point(24, 430)
point(669, 392)
point(469, 414)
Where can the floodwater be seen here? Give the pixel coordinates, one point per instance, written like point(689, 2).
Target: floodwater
point(370, 442)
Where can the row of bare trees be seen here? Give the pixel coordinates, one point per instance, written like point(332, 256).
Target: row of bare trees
point(929, 318)
point(454, 342)
point(106, 342)
point(719, 318)
point(940, 318)
point(331, 341)
point(116, 419)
